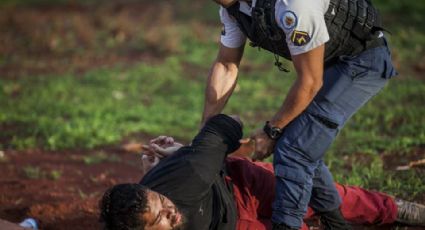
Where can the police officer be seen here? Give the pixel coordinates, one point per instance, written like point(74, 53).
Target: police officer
point(341, 60)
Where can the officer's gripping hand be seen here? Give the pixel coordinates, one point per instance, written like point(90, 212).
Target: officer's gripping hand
point(264, 145)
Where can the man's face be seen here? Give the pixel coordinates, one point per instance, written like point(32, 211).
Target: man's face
point(161, 213)
point(225, 3)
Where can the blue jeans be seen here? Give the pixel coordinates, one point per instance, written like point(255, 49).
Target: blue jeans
point(302, 178)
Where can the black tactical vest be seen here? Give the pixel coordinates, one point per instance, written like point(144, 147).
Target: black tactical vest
point(351, 26)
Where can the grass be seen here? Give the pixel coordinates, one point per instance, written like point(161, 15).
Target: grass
point(32, 172)
point(55, 174)
point(372, 175)
point(100, 157)
point(103, 105)
point(35, 172)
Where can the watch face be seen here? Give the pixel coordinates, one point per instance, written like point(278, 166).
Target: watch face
point(274, 133)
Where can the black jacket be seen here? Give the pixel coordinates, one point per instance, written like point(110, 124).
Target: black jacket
point(193, 177)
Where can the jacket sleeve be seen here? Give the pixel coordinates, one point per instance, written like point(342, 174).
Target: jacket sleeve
point(189, 173)
point(219, 137)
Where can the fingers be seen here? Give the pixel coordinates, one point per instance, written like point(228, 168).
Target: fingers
point(163, 152)
point(245, 140)
point(158, 139)
point(247, 145)
point(152, 150)
point(256, 157)
point(161, 147)
point(259, 154)
point(163, 140)
point(263, 145)
point(147, 150)
point(258, 143)
point(148, 158)
point(170, 140)
point(148, 162)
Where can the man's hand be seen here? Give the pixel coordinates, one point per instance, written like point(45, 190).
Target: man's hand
point(264, 145)
point(148, 162)
point(158, 149)
point(162, 146)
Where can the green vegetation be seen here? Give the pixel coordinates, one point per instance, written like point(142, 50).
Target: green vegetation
point(55, 174)
point(100, 157)
point(32, 172)
point(103, 105)
point(35, 172)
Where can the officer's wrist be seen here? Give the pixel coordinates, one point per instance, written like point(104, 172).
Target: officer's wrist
point(273, 132)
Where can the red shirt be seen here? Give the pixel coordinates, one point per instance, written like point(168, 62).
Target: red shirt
point(254, 189)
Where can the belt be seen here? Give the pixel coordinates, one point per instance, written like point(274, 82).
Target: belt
point(375, 43)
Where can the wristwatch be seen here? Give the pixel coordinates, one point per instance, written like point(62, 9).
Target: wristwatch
point(273, 132)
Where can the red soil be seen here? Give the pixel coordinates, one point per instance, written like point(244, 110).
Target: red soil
point(68, 202)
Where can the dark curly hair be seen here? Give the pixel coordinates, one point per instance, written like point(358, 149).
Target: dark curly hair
point(121, 206)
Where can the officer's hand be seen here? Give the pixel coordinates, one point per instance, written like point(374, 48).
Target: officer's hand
point(263, 145)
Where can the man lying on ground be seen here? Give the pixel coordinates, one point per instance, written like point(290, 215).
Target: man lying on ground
point(197, 187)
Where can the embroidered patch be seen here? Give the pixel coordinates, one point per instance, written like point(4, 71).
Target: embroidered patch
point(289, 20)
point(300, 38)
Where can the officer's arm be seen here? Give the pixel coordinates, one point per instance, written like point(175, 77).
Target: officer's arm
point(309, 67)
point(221, 80)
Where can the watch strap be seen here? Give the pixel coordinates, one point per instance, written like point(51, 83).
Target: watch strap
point(274, 133)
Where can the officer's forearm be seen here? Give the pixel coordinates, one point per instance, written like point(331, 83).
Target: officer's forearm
point(220, 85)
point(299, 97)
point(309, 67)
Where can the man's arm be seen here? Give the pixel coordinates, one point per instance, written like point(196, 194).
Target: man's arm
point(221, 80)
point(309, 67)
point(205, 156)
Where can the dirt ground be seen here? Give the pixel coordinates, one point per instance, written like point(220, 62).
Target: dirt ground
point(68, 201)
point(74, 38)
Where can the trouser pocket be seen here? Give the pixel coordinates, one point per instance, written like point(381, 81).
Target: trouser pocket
point(293, 188)
point(317, 136)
